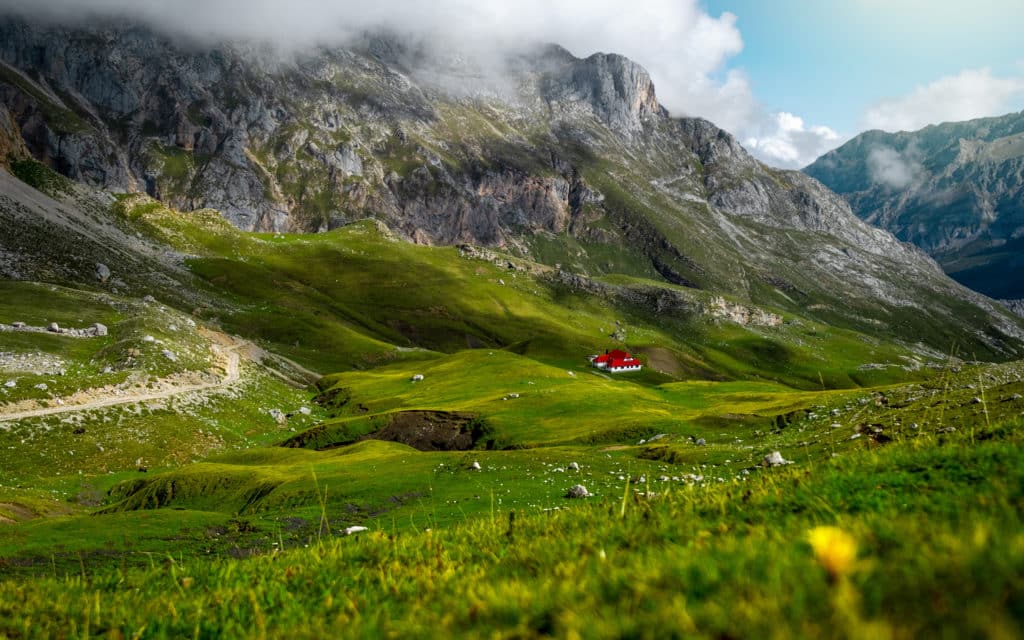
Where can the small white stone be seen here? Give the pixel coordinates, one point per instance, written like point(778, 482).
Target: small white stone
point(775, 459)
point(577, 491)
point(475, 466)
point(355, 529)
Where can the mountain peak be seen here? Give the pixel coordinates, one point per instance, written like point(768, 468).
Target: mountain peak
point(618, 91)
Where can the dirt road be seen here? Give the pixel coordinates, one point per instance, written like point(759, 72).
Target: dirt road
point(222, 345)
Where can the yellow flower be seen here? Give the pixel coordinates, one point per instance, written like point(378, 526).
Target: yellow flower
point(834, 549)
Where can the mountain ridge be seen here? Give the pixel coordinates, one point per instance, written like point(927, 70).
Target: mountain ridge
point(582, 170)
point(954, 189)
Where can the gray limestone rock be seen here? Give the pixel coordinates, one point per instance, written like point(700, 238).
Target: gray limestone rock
point(775, 459)
point(577, 491)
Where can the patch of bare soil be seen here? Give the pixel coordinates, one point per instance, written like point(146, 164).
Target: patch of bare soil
point(432, 430)
point(663, 360)
point(11, 513)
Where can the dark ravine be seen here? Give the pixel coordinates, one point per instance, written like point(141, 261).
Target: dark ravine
point(955, 189)
point(571, 163)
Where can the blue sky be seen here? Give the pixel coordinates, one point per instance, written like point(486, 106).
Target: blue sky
point(861, 64)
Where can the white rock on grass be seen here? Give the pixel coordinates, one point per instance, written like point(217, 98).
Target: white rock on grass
point(475, 466)
point(278, 416)
point(775, 459)
point(10, 384)
point(573, 466)
point(102, 272)
point(418, 377)
point(53, 328)
point(42, 386)
point(148, 298)
point(98, 329)
point(356, 529)
point(148, 339)
point(170, 355)
point(305, 411)
point(577, 491)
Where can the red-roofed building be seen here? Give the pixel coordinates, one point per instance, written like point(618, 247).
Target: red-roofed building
point(616, 361)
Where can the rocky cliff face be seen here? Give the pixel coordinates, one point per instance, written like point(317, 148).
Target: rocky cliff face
point(956, 190)
point(565, 161)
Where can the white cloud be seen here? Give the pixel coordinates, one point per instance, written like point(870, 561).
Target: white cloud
point(785, 141)
point(894, 169)
point(973, 93)
point(686, 50)
point(683, 47)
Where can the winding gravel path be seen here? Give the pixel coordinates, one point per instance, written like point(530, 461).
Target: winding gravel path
point(232, 376)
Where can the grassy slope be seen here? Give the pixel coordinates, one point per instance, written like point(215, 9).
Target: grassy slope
point(926, 543)
point(355, 299)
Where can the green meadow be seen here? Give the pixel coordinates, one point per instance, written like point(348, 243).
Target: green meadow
point(421, 487)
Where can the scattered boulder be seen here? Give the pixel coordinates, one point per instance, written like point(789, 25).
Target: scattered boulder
point(1015, 396)
point(278, 416)
point(701, 442)
point(574, 466)
point(836, 425)
point(99, 330)
point(18, 325)
point(169, 355)
point(976, 400)
point(775, 459)
point(148, 299)
point(305, 411)
point(148, 339)
point(10, 384)
point(354, 529)
point(418, 377)
point(42, 386)
point(102, 272)
point(475, 466)
point(577, 491)
point(53, 327)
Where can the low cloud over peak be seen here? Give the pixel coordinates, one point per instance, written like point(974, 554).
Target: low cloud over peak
point(683, 47)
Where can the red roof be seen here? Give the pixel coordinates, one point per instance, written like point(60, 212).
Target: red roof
point(623, 362)
point(612, 356)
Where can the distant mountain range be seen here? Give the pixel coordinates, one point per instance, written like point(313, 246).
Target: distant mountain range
point(955, 189)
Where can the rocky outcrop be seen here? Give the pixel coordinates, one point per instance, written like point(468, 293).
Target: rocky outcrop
point(1016, 306)
point(956, 190)
point(615, 89)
